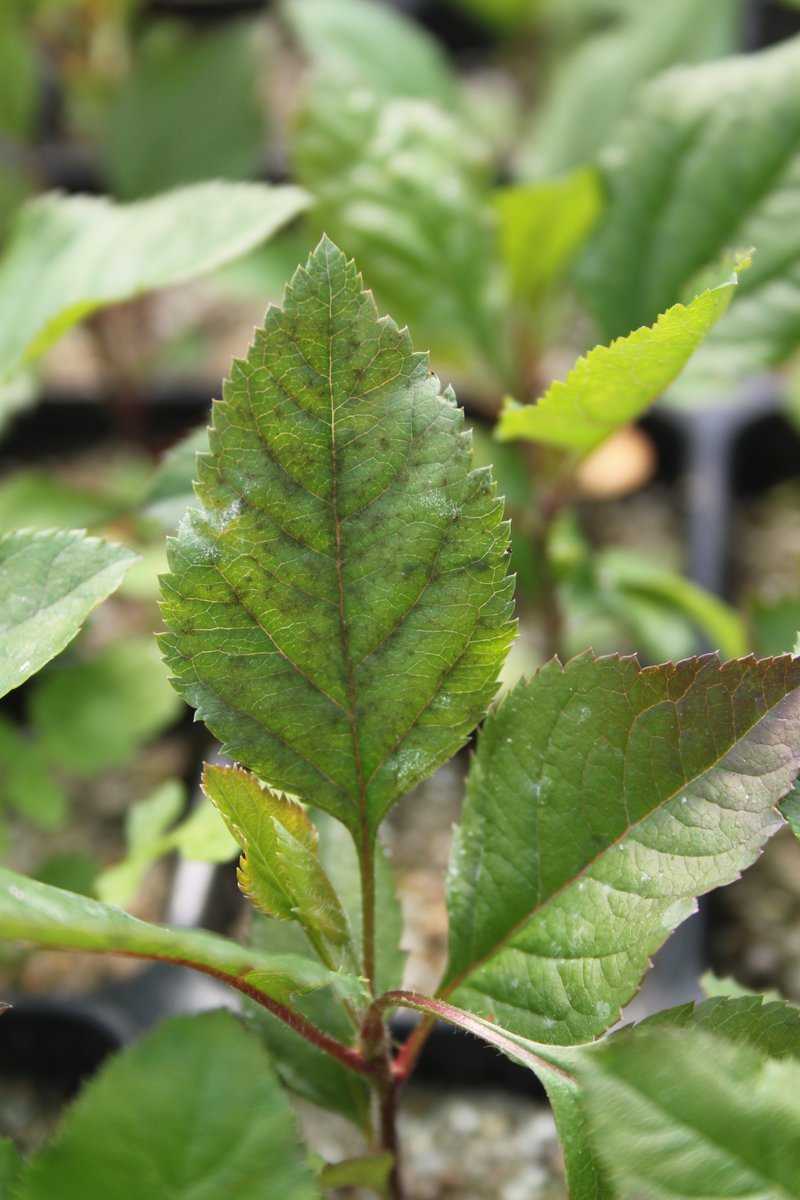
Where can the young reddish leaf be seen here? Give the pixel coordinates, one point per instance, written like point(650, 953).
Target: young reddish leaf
point(279, 870)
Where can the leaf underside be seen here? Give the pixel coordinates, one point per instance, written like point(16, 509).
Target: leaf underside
point(338, 610)
point(47, 916)
point(603, 799)
point(679, 1114)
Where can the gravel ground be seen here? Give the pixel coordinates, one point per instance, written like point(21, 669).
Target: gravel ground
point(460, 1145)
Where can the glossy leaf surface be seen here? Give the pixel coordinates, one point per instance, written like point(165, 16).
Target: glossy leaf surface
point(602, 800)
point(339, 485)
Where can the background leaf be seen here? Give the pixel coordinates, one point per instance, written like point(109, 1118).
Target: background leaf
point(403, 186)
point(375, 46)
point(709, 163)
point(635, 576)
point(25, 781)
point(613, 385)
point(167, 127)
point(339, 476)
point(49, 583)
point(192, 1111)
point(69, 255)
point(542, 225)
point(95, 714)
point(600, 81)
point(602, 800)
point(171, 492)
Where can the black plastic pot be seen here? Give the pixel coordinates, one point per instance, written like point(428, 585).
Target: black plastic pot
point(49, 1048)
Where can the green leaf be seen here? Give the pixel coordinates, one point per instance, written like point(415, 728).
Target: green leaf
point(167, 127)
point(710, 162)
point(19, 73)
point(612, 385)
point(374, 46)
point(26, 783)
point(171, 492)
point(542, 225)
point(10, 1167)
point(36, 499)
point(192, 1111)
point(47, 916)
point(712, 986)
point(506, 14)
point(95, 714)
point(601, 81)
point(681, 1113)
point(303, 1068)
point(73, 872)
point(49, 583)
point(69, 255)
point(370, 1171)
point(202, 836)
point(146, 823)
point(279, 870)
point(635, 576)
point(405, 187)
point(603, 799)
point(774, 624)
point(770, 1026)
point(339, 479)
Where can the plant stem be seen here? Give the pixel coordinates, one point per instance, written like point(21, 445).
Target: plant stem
point(367, 865)
point(376, 1051)
point(411, 1049)
point(389, 1140)
point(434, 1009)
point(346, 1055)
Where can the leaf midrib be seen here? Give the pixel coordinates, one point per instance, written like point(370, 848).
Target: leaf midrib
point(448, 988)
point(344, 635)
